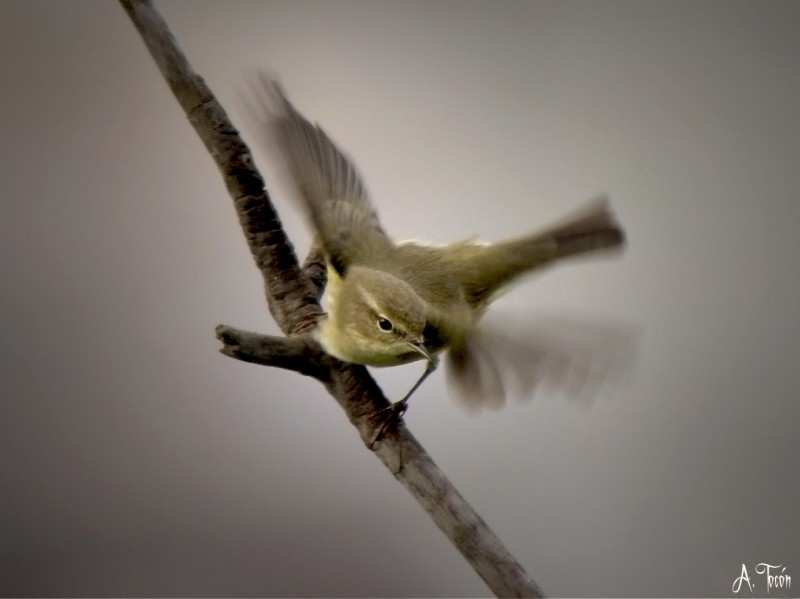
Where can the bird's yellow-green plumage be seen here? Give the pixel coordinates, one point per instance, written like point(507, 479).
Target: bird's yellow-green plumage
point(390, 303)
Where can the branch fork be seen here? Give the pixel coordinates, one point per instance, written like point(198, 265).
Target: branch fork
point(293, 294)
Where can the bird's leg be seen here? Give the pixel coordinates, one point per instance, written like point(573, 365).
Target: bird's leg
point(392, 413)
point(432, 364)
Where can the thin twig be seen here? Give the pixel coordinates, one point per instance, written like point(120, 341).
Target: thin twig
point(301, 353)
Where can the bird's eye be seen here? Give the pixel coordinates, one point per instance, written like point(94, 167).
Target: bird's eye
point(384, 324)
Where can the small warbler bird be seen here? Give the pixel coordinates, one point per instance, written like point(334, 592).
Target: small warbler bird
point(391, 303)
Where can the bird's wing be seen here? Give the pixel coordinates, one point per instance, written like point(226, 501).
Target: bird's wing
point(327, 185)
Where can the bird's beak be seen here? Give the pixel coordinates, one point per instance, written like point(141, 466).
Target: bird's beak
point(419, 346)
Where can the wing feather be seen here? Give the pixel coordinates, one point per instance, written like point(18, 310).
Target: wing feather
point(328, 186)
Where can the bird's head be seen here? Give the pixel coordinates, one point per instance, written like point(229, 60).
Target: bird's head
point(375, 319)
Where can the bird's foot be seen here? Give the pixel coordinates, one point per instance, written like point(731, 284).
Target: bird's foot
point(387, 419)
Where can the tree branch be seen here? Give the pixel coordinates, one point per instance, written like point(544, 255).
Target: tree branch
point(293, 297)
point(301, 353)
point(289, 292)
point(315, 269)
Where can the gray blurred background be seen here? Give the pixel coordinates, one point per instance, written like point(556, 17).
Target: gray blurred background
point(137, 460)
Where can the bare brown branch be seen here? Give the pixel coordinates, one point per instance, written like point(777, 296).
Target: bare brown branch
point(292, 293)
point(301, 353)
point(314, 267)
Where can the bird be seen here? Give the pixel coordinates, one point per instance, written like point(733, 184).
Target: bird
point(391, 302)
